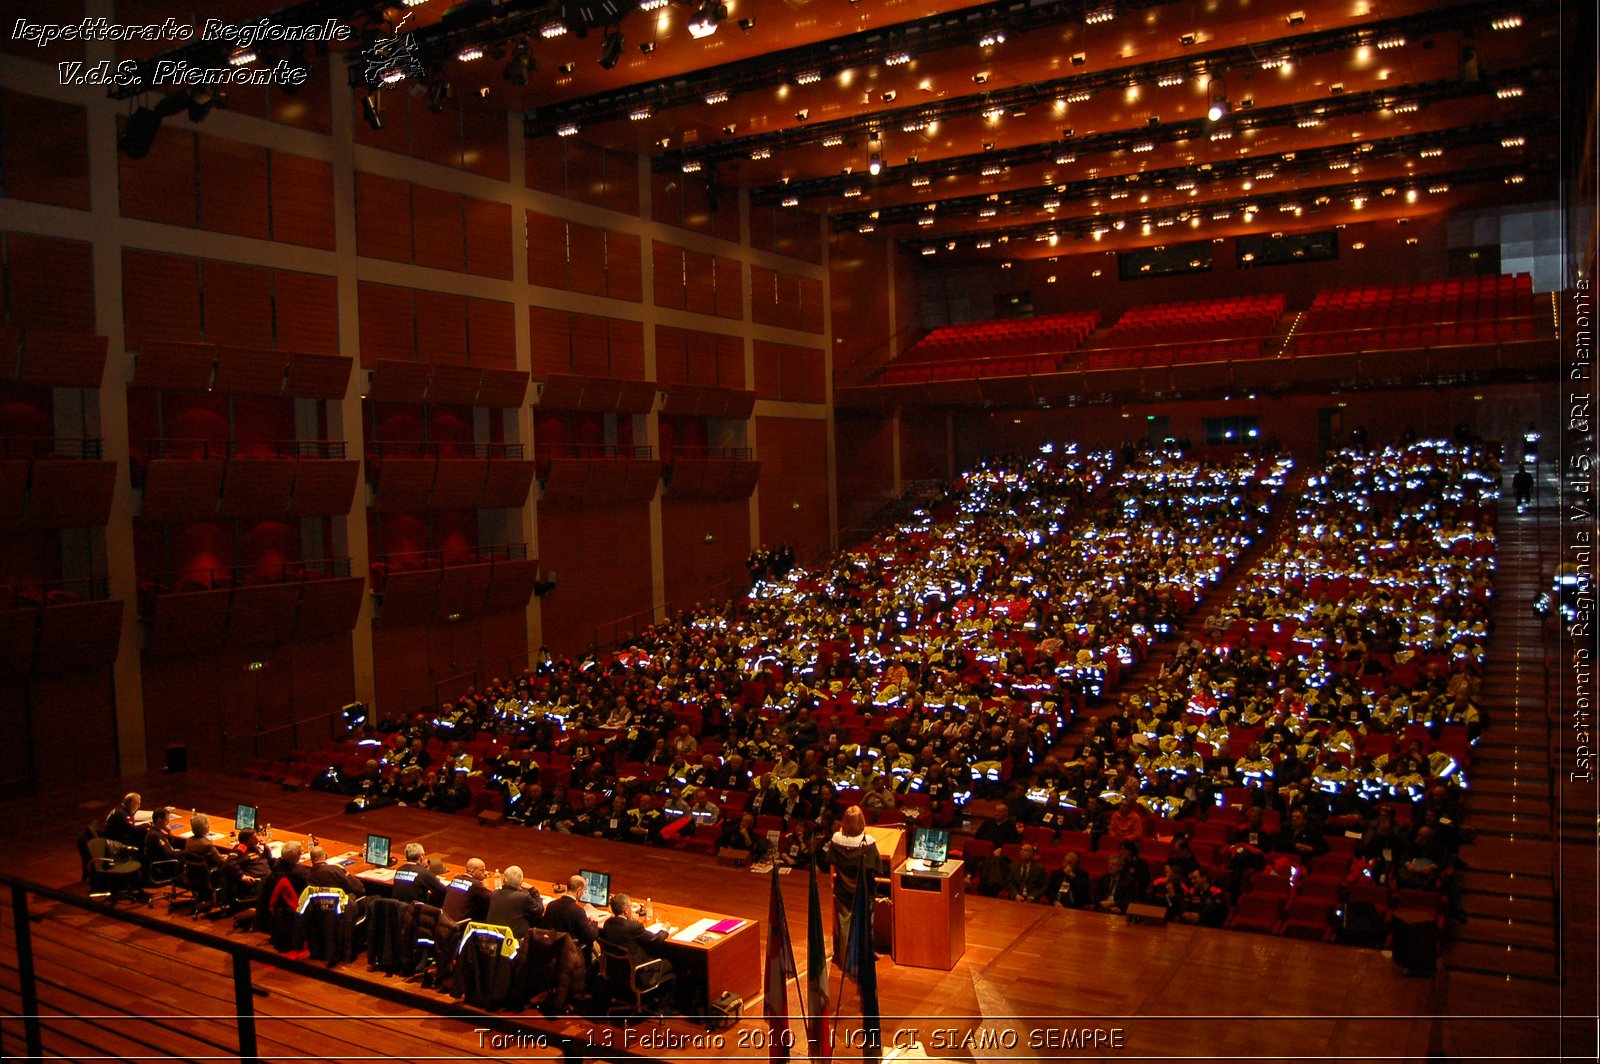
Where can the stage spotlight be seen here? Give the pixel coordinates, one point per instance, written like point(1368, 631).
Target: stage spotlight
point(202, 99)
point(439, 94)
point(372, 110)
point(611, 48)
point(139, 134)
point(520, 65)
point(707, 19)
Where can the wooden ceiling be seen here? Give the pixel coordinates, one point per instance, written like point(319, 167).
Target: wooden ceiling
point(1008, 127)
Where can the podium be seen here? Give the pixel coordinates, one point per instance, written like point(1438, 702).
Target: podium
point(930, 914)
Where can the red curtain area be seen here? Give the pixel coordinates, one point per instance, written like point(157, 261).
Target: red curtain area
point(194, 549)
point(394, 422)
point(400, 534)
point(267, 546)
point(450, 425)
point(682, 432)
point(257, 422)
point(455, 532)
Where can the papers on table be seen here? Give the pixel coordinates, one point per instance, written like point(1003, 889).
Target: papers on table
point(693, 931)
point(656, 928)
point(275, 849)
point(381, 875)
point(143, 816)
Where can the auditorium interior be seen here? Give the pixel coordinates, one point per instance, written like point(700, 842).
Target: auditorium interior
point(1138, 451)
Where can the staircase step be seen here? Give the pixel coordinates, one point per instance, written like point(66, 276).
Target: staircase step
point(1500, 907)
point(1492, 932)
point(1509, 960)
point(1507, 824)
point(1513, 859)
point(1527, 886)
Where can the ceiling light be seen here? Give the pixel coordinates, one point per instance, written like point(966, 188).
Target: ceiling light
point(761, 153)
point(652, 5)
point(791, 201)
point(719, 96)
point(647, 47)
point(747, 24)
point(1406, 108)
point(242, 57)
point(1514, 179)
point(1273, 62)
point(568, 130)
point(1507, 22)
point(980, 77)
point(1219, 100)
point(470, 53)
point(552, 29)
point(1411, 241)
point(691, 166)
point(921, 182)
point(1391, 42)
point(994, 114)
point(611, 49)
point(1145, 145)
point(1430, 153)
point(1513, 142)
point(808, 77)
point(852, 192)
point(639, 115)
point(1079, 95)
point(984, 244)
point(875, 156)
point(1063, 160)
point(1436, 189)
point(1358, 245)
point(1167, 81)
point(988, 212)
point(1103, 13)
point(1295, 18)
point(802, 114)
point(913, 125)
point(992, 38)
point(930, 251)
point(1078, 59)
point(925, 220)
point(567, 68)
point(832, 141)
point(991, 170)
point(1508, 92)
point(897, 59)
point(1187, 40)
point(888, 97)
point(707, 19)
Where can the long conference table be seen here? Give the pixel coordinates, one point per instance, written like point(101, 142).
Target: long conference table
point(728, 960)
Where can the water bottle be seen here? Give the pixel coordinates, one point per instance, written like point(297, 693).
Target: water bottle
point(649, 911)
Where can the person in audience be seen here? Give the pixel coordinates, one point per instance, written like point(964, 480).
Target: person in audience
point(1074, 891)
point(740, 839)
point(200, 847)
point(1126, 823)
point(415, 881)
point(1205, 904)
point(159, 843)
point(566, 913)
point(1301, 840)
point(645, 821)
point(1029, 880)
point(1115, 890)
point(467, 895)
point(516, 904)
point(290, 866)
point(249, 865)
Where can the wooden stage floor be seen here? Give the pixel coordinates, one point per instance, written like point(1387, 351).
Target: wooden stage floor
point(1030, 974)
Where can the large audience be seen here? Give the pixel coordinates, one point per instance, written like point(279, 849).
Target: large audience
point(1316, 730)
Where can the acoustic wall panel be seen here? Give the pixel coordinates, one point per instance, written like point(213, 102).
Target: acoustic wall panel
point(408, 598)
point(174, 366)
point(250, 371)
point(462, 590)
point(179, 490)
point(253, 486)
point(329, 607)
point(263, 615)
point(511, 585)
point(78, 635)
point(317, 376)
point(71, 494)
point(404, 484)
point(506, 485)
point(323, 488)
point(18, 630)
point(62, 359)
point(189, 623)
point(458, 483)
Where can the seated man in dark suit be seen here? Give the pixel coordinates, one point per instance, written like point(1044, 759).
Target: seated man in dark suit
point(414, 882)
point(121, 825)
point(1029, 880)
point(290, 867)
point(516, 905)
point(467, 896)
point(624, 932)
point(326, 874)
point(566, 913)
point(159, 842)
point(249, 866)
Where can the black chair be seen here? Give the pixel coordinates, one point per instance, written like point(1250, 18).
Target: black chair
point(631, 986)
point(114, 870)
point(203, 883)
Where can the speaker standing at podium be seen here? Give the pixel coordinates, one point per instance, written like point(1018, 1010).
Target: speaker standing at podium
point(856, 862)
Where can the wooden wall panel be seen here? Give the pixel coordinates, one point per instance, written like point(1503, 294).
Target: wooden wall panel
point(488, 238)
point(50, 283)
point(438, 230)
point(492, 335)
point(866, 481)
point(624, 267)
point(551, 351)
point(730, 362)
point(307, 312)
point(237, 304)
point(44, 150)
point(161, 186)
point(160, 297)
point(233, 188)
point(794, 484)
point(700, 283)
point(857, 265)
point(441, 328)
point(485, 138)
point(593, 587)
point(763, 295)
point(302, 201)
point(622, 182)
point(383, 217)
point(729, 280)
point(590, 345)
point(667, 275)
point(627, 349)
point(697, 569)
point(811, 309)
point(387, 322)
point(586, 258)
point(672, 360)
point(547, 250)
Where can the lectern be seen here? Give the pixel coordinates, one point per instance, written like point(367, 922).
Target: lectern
point(930, 914)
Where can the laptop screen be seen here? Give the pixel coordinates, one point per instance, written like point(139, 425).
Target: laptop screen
point(378, 850)
point(598, 889)
point(931, 845)
point(244, 819)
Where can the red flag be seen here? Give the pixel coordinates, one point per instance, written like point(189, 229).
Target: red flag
point(780, 969)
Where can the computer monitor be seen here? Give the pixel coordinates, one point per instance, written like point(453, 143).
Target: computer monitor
point(378, 850)
point(597, 888)
point(931, 845)
point(244, 818)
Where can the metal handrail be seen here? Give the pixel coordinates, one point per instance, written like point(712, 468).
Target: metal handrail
point(378, 451)
point(440, 558)
point(692, 452)
point(85, 589)
point(178, 447)
point(218, 578)
point(89, 447)
point(546, 451)
point(242, 955)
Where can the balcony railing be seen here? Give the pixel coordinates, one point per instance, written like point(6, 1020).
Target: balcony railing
point(695, 454)
point(439, 558)
point(189, 449)
point(51, 447)
point(547, 451)
point(420, 449)
point(29, 595)
point(221, 578)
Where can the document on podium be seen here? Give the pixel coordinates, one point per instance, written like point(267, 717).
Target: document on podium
point(693, 931)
